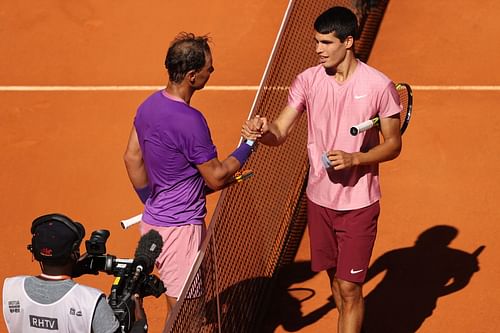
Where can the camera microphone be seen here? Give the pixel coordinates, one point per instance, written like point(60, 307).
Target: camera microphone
point(148, 250)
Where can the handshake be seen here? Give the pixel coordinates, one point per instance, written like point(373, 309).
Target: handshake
point(254, 128)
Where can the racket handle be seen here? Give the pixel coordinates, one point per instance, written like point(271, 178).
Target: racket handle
point(366, 125)
point(131, 221)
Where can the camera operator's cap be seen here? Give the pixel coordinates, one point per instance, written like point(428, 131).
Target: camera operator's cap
point(55, 237)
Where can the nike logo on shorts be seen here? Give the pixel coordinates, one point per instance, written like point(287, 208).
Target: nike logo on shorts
point(356, 271)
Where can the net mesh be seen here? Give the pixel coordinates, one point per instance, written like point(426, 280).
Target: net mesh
point(258, 224)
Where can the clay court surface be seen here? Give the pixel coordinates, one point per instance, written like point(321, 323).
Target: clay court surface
point(62, 150)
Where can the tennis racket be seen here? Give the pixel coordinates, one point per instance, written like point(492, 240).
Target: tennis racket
point(238, 177)
point(406, 99)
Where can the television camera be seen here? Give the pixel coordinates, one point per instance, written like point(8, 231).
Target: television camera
point(133, 276)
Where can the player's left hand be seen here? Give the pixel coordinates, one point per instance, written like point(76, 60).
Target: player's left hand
point(341, 160)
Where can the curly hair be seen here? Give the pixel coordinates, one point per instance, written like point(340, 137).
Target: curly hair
point(187, 52)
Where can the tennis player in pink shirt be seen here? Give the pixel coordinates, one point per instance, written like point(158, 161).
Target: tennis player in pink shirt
point(343, 187)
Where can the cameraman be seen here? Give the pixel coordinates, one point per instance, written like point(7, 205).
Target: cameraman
point(52, 300)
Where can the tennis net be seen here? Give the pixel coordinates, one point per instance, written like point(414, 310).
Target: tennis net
point(258, 224)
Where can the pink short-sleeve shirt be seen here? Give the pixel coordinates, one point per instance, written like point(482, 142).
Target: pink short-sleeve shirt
point(332, 109)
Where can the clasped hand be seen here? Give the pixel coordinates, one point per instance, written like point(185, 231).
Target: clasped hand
point(254, 128)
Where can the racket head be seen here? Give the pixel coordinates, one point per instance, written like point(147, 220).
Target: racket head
point(406, 99)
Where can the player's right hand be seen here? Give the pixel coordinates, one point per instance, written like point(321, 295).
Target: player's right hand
point(254, 128)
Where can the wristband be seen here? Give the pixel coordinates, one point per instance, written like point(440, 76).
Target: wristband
point(252, 144)
point(143, 193)
point(243, 152)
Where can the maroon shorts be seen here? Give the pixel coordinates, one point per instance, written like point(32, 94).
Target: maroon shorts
point(342, 239)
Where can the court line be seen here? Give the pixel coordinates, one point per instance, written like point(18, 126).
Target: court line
point(460, 88)
point(116, 88)
point(227, 88)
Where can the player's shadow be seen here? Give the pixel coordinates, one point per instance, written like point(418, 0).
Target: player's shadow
point(285, 309)
point(415, 277)
point(237, 308)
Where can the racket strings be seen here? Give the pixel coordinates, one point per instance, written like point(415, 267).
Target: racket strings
point(403, 96)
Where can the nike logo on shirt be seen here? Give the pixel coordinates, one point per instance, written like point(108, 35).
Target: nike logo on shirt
point(360, 96)
point(356, 271)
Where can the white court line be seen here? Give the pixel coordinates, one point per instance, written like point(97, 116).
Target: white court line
point(222, 88)
point(116, 88)
point(460, 88)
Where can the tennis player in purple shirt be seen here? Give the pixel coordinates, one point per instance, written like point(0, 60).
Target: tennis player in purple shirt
point(171, 159)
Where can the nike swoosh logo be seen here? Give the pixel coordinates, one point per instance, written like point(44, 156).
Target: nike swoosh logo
point(356, 271)
point(360, 96)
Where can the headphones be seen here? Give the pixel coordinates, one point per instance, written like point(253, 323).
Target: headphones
point(76, 227)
